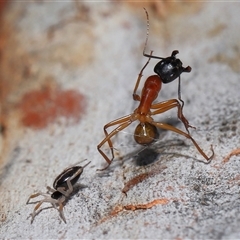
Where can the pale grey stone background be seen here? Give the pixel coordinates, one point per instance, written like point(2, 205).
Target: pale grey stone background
point(193, 200)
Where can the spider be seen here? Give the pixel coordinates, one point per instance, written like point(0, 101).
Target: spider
point(167, 70)
point(62, 189)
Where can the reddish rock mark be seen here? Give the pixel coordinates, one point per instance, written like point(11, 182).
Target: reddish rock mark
point(41, 107)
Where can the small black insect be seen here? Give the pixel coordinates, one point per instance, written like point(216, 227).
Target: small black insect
point(62, 189)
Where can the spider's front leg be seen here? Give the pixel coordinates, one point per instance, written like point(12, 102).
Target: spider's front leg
point(36, 195)
point(34, 213)
point(61, 212)
point(50, 190)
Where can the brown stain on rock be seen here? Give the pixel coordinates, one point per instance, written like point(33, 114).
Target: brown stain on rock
point(233, 60)
point(166, 9)
point(217, 30)
point(141, 177)
point(44, 106)
point(133, 207)
point(234, 152)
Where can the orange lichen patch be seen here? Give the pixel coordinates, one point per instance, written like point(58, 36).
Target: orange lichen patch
point(134, 207)
point(134, 181)
point(41, 107)
point(116, 210)
point(155, 202)
point(131, 183)
point(233, 153)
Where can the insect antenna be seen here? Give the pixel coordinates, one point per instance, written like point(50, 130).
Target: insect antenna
point(147, 35)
